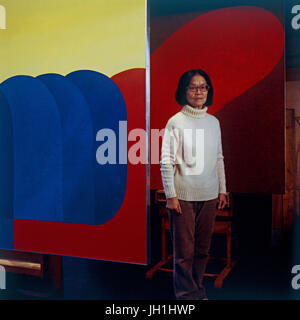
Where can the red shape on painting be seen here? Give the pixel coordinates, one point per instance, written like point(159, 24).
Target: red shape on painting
point(236, 46)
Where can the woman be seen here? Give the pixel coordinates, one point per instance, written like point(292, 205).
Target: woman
point(193, 176)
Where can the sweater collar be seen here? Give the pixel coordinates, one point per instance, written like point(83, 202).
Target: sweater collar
point(194, 113)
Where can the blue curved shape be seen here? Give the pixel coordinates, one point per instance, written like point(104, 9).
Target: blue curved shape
point(37, 149)
point(6, 176)
point(107, 107)
point(78, 149)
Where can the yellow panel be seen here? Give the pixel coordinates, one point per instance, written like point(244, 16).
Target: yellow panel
point(61, 36)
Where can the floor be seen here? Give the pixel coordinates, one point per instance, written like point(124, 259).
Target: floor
point(264, 276)
point(261, 276)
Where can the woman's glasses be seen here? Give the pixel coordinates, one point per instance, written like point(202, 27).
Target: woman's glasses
point(203, 88)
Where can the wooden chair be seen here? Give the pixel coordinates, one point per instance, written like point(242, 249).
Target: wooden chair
point(222, 226)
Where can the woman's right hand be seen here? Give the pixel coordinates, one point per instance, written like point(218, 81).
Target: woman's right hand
point(173, 204)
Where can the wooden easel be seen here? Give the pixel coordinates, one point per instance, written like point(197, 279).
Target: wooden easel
point(34, 264)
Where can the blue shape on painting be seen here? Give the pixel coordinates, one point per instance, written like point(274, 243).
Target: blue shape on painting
point(78, 149)
point(37, 147)
point(6, 176)
point(107, 107)
point(48, 167)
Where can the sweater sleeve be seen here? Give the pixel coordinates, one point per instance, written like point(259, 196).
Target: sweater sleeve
point(220, 165)
point(167, 163)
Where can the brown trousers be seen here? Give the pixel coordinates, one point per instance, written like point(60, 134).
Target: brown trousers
point(191, 234)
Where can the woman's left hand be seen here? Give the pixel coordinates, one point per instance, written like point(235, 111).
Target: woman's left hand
point(222, 201)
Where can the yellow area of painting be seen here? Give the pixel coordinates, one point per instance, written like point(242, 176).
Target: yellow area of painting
point(60, 36)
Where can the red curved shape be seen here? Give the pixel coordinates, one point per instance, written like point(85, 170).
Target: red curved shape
point(236, 46)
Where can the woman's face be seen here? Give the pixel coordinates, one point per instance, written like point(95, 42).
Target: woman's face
point(196, 92)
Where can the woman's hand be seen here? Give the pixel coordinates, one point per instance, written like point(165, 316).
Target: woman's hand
point(222, 201)
point(173, 204)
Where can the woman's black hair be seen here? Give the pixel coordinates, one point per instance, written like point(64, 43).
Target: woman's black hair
point(184, 82)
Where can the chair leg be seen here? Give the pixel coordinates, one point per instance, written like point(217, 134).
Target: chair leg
point(228, 263)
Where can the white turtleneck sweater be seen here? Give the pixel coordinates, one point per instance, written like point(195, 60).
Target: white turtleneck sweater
point(192, 165)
